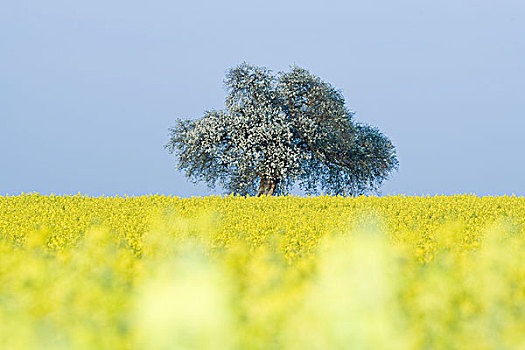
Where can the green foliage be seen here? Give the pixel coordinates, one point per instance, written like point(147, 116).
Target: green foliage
point(281, 129)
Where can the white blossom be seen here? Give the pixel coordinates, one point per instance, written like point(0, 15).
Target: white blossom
point(278, 129)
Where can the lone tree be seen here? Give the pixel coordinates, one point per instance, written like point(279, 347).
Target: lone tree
point(279, 129)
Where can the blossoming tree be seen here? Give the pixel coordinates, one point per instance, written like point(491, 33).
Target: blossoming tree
point(278, 130)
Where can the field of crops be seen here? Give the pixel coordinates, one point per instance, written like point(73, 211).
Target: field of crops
point(155, 272)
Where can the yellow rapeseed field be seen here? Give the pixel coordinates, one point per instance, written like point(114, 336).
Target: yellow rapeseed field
point(157, 272)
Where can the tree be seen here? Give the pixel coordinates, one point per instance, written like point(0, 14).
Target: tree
point(278, 130)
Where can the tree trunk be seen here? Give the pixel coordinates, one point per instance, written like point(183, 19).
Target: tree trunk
point(267, 186)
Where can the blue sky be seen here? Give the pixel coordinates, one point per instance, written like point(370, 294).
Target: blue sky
point(88, 89)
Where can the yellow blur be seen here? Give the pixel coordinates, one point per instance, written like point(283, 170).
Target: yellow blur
point(157, 272)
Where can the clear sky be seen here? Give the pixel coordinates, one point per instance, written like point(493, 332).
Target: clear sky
point(88, 89)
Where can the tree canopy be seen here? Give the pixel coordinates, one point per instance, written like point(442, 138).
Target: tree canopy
point(278, 130)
